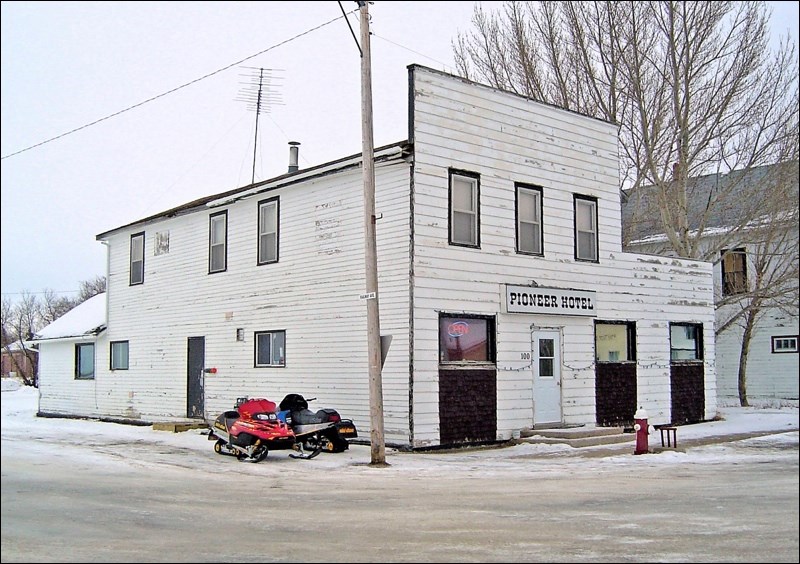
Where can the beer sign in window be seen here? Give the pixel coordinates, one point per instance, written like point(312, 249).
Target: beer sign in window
point(466, 339)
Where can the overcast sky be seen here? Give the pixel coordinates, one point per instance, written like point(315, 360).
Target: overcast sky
point(66, 65)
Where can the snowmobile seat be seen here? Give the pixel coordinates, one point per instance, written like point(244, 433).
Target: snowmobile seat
point(293, 402)
point(230, 417)
point(306, 417)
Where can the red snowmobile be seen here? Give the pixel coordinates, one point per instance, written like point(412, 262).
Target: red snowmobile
point(251, 431)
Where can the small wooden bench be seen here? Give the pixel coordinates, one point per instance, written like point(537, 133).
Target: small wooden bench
point(669, 436)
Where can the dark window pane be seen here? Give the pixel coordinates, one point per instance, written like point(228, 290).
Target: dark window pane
point(264, 349)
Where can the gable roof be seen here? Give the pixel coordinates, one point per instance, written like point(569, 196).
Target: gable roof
point(719, 200)
point(392, 150)
point(385, 152)
point(85, 319)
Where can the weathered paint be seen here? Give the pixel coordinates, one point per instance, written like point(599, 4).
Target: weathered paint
point(313, 291)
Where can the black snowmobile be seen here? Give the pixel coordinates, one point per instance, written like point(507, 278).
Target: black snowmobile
point(323, 430)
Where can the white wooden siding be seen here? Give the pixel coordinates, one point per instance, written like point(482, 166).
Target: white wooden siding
point(59, 391)
point(311, 293)
point(507, 139)
point(770, 376)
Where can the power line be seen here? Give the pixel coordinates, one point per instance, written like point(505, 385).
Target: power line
point(175, 89)
point(444, 65)
point(44, 292)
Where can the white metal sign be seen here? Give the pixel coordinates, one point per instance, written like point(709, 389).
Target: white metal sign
point(550, 301)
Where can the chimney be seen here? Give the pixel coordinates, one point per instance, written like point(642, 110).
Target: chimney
point(294, 150)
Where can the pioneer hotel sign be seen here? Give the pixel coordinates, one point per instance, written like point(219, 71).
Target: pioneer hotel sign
point(550, 301)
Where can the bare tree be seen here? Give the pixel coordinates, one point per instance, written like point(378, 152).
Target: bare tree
point(7, 336)
point(92, 287)
point(53, 306)
point(19, 322)
point(693, 87)
point(695, 90)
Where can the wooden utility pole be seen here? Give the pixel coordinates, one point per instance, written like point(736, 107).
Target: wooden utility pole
point(378, 450)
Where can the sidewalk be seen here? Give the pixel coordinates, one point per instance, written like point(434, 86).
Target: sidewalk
point(734, 424)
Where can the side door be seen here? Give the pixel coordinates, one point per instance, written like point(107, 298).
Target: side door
point(195, 377)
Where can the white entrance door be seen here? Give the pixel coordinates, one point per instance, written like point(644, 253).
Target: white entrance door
point(546, 365)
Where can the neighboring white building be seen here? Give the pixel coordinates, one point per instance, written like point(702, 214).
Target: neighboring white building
point(501, 280)
point(720, 203)
point(69, 360)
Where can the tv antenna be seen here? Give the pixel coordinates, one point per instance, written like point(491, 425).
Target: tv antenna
point(259, 95)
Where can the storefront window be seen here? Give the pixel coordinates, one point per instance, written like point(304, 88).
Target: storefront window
point(466, 339)
point(614, 342)
point(686, 341)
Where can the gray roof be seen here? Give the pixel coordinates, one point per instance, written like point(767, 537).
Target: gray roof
point(721, 200)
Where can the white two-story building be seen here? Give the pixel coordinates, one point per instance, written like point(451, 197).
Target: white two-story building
point(501, 281)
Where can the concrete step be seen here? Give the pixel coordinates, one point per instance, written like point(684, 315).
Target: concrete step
point(577, 436)
point(572, 432)
point(179, 427)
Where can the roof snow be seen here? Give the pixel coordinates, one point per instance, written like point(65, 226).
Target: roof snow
point(87, 318)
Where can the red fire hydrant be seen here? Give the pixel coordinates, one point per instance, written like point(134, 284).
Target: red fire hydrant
point(642, 431)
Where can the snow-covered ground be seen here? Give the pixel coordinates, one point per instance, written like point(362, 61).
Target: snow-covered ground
point(89, 491)
point(19, 423)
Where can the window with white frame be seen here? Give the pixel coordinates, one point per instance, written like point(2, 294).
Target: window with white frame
point(585, 228)
point(268, 231)
point(218, 242)
point(84, 361)
point(270, 348)
point(784, 344)
point(464, 209)
point(734, 272)
point(119, 355)
point(529, 219)
point(137, 259)
point(685, 341)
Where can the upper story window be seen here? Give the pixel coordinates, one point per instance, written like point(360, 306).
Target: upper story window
point(268, 231)
point(137, 259)
point(685, 341)
point(270, 348)
point(734, 272)
point(529, 219)
point(585, 228)
point(84, 361)
point(119, 355)
point(464, 209)
point(465, 339)
point(614, 342)
point(218, 242)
